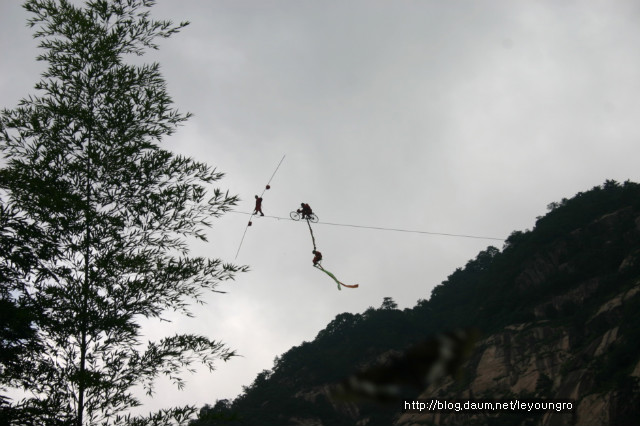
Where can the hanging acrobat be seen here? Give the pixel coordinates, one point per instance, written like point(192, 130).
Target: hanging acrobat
point(307, 214)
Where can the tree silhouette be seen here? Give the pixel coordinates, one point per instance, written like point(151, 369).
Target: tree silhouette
point(388, 303)
point(105, 216)
point(21, 245)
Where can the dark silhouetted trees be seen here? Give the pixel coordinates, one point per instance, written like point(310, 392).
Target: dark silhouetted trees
point(95, 216)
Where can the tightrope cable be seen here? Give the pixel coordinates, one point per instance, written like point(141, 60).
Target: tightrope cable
point(379, 228)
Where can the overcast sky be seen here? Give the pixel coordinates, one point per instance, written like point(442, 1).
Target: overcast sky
point(448, 117)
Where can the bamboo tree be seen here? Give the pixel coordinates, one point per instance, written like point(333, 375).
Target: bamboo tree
point(22, 247)
point(83, 165)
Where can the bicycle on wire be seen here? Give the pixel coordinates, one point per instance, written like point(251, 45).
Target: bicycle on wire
point(298, 216)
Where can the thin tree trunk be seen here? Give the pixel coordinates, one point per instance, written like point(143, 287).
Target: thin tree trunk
point(85, 290)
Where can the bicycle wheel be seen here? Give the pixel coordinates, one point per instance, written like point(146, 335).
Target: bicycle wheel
point(294, 215)
point(313, 218)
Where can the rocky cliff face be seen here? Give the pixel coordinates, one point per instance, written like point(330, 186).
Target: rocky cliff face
point(566, 356)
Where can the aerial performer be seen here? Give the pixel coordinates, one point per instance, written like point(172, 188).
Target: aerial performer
point(317, 258)
point(258, 206)
point(306, 213)
point(316, 264)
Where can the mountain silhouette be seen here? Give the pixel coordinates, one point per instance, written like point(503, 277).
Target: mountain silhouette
point(556, 312)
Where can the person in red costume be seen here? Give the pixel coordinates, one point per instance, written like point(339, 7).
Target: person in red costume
point(317, 258)
point(305, 211)
point(258, 208)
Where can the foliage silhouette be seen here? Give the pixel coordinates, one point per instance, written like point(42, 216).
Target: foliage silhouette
point(104, 216)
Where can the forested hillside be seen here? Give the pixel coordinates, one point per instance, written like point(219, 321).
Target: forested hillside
point(557, 307)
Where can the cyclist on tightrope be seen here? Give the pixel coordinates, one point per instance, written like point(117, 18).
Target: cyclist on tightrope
point(305, 211)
